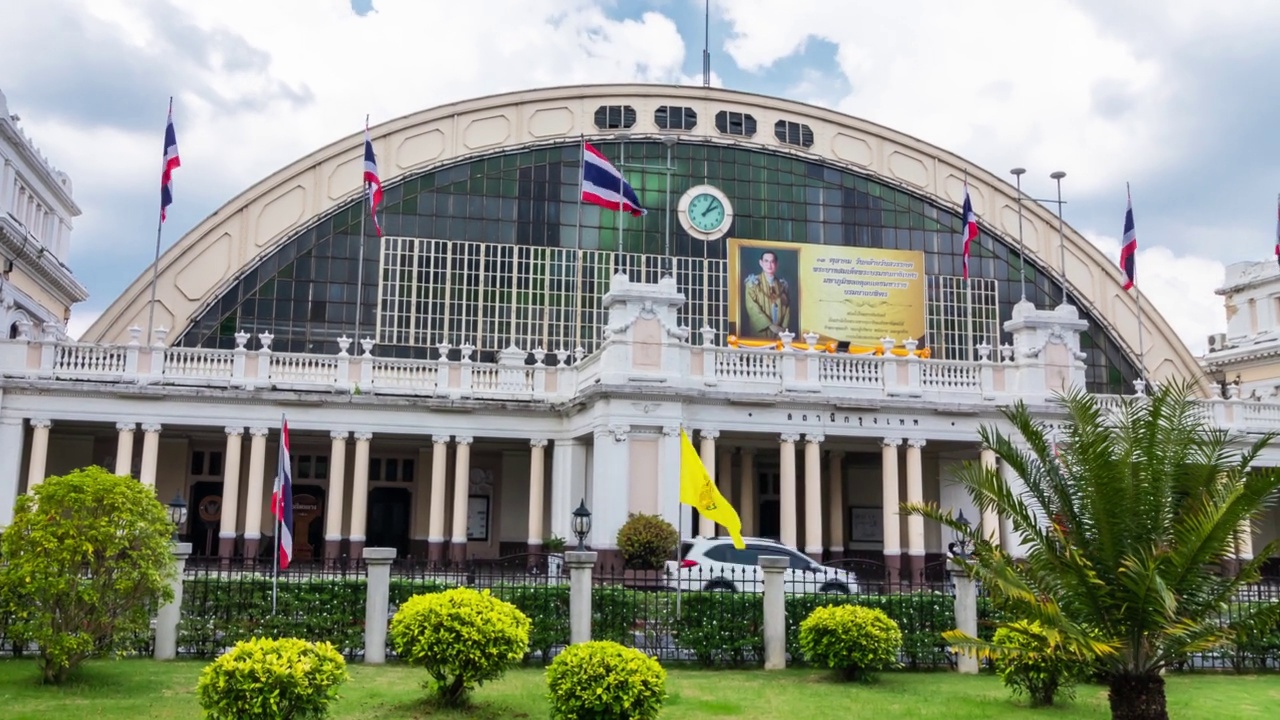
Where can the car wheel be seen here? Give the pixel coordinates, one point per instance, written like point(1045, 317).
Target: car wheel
point(835, 589)
point(720, 586)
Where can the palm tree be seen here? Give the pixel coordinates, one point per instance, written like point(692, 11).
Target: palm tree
point(1130, 515)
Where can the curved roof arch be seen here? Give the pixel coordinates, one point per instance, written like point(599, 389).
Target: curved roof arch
point(206, 260)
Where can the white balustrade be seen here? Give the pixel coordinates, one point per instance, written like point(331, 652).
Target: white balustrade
point(410, 377)
point(850, 371)
point(747, 365)
point(304, 368)
point(950, 375)
point(197, 364)
point(75, 360)
point(1259, 414)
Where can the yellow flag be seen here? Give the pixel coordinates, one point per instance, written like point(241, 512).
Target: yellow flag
point(699, 490)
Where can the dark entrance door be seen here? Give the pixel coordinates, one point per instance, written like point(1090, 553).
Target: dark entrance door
point(388, 521)
point(204, 518)
point(767, 480)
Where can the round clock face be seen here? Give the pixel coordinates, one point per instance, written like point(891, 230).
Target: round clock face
point(706, 212)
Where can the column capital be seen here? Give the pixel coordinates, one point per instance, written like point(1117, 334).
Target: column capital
point(126, 426)
point(41, 423)
point(338, 434)
point(789, 437)
point(815, 438)
point(259, 431)
point(363, 436)
point(671, 431)
point(441, 439)
point(233, 431)
point(708, 433)
point(151, 427)
point(618, 433)
point(537, 442)
point(891, 442)
point(463, 439)
point(916, 443)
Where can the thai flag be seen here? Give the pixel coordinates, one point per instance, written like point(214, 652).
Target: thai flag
point(282, 498)
point(371, 182)
point(1129, 248)
point(603, 184)
point(970, 227)
point(171, 162)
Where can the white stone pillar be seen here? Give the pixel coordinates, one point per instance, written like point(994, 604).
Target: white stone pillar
point(254, 500)
point(11, 437)
point(813, 496)
point(150, 453)
point(747, 503)
point(775, 611)
point(337, 491)
point(835, 504)
point(707, 526)
point(439, 489)
point(966, 609)
point(915, 494)
point(167, 617)
point(568, 461)
point(580, 565)
point(889, 503)
point(39, 452)
point(990, 518)
point(461, 493)
point(537, 467)
point(787, 488)
point(124, 448)
point(359, 492)
point(377, 562)
point(230, 492)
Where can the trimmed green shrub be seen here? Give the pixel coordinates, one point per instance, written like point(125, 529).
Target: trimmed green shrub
point(722, 628)
point(265, 679)
point(921, 616)
point(87, 559)
point(1042, 671)
point(856, 641)
point(547, 607)
point(647, 542)
point(462, 637)
point(603, 680)
point(616, 613)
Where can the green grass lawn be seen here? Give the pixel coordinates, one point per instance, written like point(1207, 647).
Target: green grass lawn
point(107, 690)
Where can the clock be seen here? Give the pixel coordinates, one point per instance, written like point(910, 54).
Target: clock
point(705, 212)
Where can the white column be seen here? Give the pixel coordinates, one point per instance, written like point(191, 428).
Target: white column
point(568, 461)
point(230, 490)
point(707, 526)
point(990, 518)
point(1010, 539)
point(439, 488)
point(360, 488)
point(669, 505)
point(337, 491)
point(813, 496)
point(787, 488)
point(11, 436)
point(537, 467)
point(39, 452)
point(124, 448)
point(915, 494)
point(150, 453)
point(835, 503)
point(747, 503)
point(461, 492)
point(889, 501)
point(254, 501)
point(610, 479)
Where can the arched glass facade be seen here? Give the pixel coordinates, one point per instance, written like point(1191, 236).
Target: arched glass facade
point(305, 293)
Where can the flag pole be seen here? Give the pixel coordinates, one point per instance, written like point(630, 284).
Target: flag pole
point(1137, 297)
point(582, 167)
point(968, 283)
point(155, 269)
point(360, 263)
point(275, 552)
point(622, 183)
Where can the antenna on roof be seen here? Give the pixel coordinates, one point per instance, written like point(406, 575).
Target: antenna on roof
point(706, 44)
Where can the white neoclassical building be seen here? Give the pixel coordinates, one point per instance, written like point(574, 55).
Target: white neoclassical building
point(456, 386)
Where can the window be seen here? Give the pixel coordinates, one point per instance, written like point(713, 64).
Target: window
point(735, 123)
point(391, 470)
point(206, 462)
point(675, 117)
point(313, 467)
point(793, 133)
point(615, 117)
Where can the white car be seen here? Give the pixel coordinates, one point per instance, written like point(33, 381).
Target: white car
point(715, 564)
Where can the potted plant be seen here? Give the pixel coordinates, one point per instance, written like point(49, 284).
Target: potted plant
point(646, 543)
point(554, 547)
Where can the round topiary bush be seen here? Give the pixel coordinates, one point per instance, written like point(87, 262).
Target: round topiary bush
point(647, 542)
point(265, 679)
point(463, 638)
point(856, 641)
point(1035, 667)
point(605, 681)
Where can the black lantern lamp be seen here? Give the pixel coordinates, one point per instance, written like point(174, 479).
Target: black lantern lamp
point(177, 513)
point(581, 524)
point(960, 546)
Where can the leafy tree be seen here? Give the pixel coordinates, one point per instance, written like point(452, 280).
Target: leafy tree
point(1130, 515)
point(88, 558)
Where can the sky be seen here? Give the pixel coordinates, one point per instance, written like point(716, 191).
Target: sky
point(1175, 97)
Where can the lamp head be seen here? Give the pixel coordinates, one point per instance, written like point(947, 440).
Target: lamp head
point(582, 524)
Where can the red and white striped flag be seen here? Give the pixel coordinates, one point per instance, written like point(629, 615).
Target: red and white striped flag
point(970, 229)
